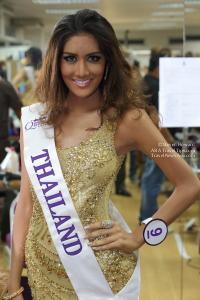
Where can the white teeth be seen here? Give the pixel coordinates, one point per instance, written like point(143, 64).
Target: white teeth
point(82, 82)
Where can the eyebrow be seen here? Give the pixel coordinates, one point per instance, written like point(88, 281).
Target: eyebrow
point(86, 54)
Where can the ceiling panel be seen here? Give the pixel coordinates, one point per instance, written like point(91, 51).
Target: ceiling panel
point(122, 14)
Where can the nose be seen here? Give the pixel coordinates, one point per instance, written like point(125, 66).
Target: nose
point(81, 69)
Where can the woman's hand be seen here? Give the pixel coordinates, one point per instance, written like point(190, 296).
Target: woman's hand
point(116, 237)
point(13, 288)
point(18, 297)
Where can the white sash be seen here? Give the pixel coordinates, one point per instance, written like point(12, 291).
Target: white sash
point(64, 225)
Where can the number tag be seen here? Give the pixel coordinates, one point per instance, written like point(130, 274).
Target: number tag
point(155, 232)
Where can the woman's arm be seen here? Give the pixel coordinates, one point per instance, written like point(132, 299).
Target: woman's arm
point(167, 135)
point(22, 217)
point(143, 135)
point(21, 75)
point(133, 133)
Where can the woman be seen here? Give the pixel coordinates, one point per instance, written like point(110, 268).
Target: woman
point(34, 61)
point(97, 108)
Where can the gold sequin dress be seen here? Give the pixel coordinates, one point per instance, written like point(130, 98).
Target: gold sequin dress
point(89, 169)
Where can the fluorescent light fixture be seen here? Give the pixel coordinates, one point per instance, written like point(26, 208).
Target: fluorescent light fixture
point(165, 20)
point(170, 5)
point(173, 12)
point(65, 11)
point(177, 5)
point(194, 2)
point(156, 26)
point(60, 11)
point(159, 24)
point(63, 1)
point(191, 9)
point(168, 13)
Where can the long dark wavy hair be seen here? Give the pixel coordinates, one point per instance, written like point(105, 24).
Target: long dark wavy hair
point(125, 88)
point(36, 57)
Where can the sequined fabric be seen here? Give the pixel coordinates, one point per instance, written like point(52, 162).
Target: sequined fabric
point(89, 169)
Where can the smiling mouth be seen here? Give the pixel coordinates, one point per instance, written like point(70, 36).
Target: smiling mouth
point(82, 82)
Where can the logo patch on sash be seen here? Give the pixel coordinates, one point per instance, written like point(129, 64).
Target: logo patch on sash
point(33, 124)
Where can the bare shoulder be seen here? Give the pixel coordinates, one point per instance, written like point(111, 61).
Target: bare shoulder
point(137, 131)
point(132, 117)
point(132, 129)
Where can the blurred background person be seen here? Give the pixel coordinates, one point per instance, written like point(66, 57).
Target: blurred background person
point(8, 99)
point(3, 73)
point(189, 54)
point(34, 60)
point(155, 50)
point(28, 97)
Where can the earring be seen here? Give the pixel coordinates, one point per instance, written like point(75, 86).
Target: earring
point(104, 88)
point(106, 73)
point(104, 93)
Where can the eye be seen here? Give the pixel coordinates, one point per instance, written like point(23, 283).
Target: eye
point(94, 58)
point(70, 58)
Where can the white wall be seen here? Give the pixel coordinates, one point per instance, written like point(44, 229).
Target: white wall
point(35, 37)
point(13, 51)
point(161, 38)
point(38, 37)
point(154, 38)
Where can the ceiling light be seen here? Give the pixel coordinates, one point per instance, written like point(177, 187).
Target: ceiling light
point(172, 5)
point(60, 11)
point(65, 11)
point(177, 5)
point(156, 26)
point(192, 1)
point(191, 9)
point(63, 1)
point(173, 13)
point(165, 20)
point(168, 13)
point(159, 24)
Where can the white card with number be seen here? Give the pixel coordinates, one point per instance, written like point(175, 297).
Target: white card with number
point(155, 232)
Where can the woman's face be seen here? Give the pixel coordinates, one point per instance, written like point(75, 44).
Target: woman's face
point(82, 65)
point(28, 59)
